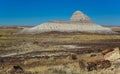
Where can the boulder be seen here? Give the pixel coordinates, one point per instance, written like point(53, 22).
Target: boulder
point(113, 55)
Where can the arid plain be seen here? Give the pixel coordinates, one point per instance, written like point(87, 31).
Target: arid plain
point(56, 52)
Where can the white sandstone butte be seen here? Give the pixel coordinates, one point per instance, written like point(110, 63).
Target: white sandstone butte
point(79, 22)
point(80, 17)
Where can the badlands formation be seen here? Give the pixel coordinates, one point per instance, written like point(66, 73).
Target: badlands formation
point(79, 22)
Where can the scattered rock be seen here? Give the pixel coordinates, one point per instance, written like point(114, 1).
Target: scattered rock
point(17, 67)
point(95, 65)
point(15, 70)
point(93, 55)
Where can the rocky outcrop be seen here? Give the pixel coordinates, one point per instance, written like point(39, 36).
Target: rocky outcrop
point(94, 65)
point(113, 55)
point(79, 23)
point(100, 61)
point(80, 17)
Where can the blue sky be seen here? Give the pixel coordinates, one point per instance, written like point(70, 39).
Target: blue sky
point(35, 12)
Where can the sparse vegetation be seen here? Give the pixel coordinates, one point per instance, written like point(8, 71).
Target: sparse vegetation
point(49, 56)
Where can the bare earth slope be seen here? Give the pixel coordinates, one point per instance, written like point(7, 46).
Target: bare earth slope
point(79, 23)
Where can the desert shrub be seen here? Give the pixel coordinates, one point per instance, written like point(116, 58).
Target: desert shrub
point(73, 56)
point(1, 35)
point(117, 65)
point(82, 65)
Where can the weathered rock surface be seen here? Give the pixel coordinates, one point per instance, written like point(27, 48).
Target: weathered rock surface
point(79, 23)
point(102, 61)
point(113, 55)
point(80, 17)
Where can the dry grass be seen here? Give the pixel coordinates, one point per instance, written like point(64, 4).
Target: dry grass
point(15, 43)
point(7, 39)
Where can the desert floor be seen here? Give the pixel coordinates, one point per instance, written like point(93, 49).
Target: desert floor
point(53, 53)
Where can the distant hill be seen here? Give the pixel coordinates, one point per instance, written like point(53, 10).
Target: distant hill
point(79, 22)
